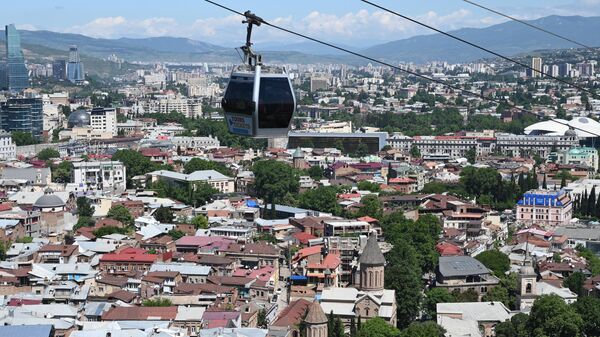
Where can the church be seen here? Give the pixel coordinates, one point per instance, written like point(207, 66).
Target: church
point(367, 298)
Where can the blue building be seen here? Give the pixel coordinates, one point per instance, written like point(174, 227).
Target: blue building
point(545, 208)
point(17, 74)
point(22, 114)
point(75, 67)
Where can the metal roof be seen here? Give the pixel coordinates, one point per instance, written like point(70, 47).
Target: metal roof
point(26, 330)
point(450, 266)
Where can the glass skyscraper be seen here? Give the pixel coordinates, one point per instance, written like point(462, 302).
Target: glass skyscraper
point(23, 114)
point(75, 67)
point(17, 74)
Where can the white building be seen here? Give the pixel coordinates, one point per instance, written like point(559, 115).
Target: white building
point(195, 143)
point(109, 176)
point(218, 181)
point(104, 119)
point(8, 149)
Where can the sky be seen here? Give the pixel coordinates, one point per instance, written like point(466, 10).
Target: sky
point(350, 22)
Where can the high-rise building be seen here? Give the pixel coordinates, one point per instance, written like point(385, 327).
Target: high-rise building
point(3, 77)
point(17, 74)
point(104, 119)
point(555, 71)
point(23, 114)
point(75, 67)
point(536, 64)
point(59, 69)
point(565, 69)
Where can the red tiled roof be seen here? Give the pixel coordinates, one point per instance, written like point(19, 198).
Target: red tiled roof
point(119, 257)
point(292, 314)
point(303, 237)
point(331, 261)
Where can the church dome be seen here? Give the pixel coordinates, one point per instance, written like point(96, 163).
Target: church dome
point(49, 200)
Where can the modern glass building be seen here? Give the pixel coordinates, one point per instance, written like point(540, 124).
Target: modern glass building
point(17, 74)
point(75, 67)
point(22, 114)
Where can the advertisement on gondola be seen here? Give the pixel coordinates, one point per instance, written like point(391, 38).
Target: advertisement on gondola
point(239, 124)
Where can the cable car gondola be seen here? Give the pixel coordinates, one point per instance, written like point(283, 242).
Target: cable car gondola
point(259, 100)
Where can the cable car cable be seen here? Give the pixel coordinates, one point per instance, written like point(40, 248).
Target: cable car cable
point(506, 58)
point(451, 86)
point(530, 25)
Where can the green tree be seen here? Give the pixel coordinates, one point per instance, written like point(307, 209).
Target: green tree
point(433, 297)
point(361, 150)
point(23, 138)
point(108, 230)
point(48, 153)
point(157, 302)
point(366, 185)
point(84, 207)
point(200, 222)
point(316, 172)
point(495, 260)
point(122, 214)
point(423, 329)
point(197, 164)
point(377, 327)
point(405, 280)
point(176, 234)
point(273, 179)
point(551, 316)
point(469, 295)
point(415, 152)
point(497, 294)
point(83, 221)
point(322, 199)
point(62, 172)
point(371, 206)
point(261, 320)
point(135, 163)
point(515, 327)
point(471, 155)
point(575, 283)
point(589, 309)
point(163, 215)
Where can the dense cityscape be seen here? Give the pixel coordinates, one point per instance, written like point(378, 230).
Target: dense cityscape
point(407, 199)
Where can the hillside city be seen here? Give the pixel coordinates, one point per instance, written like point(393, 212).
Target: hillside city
point(395, 206)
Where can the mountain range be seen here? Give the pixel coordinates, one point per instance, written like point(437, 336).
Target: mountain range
point(509, 38)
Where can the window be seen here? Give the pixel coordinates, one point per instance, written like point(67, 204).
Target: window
point(528, 288)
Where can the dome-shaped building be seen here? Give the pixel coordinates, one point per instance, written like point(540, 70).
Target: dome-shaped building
point(583, 127)
point(49, 202)
point(52, 210)
point(79, 118)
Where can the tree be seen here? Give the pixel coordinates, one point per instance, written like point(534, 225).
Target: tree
point(163, 215)
point(544, 184)
point(575, 283)
point(471, 155)
point(261, 320)
point(120, 213)
point(589, 309)
point(424, 329)
point(366, 185)
point(353, 330)
point(83, 221)
point(469, 295)
point(61, 173)
point(361, 150)
point(135, 163)
point(84, 207)
point(157, 302)
point(23, 138)
point(176, 234)
point(316, 172)
point(273, 179)
point(433, 297)
point(415, 152)
point(323, 199)
point(200, 222)
point(405, 280)
point(338, 328)
point(551, 316)
point(497, 294)
point(371, 206)
point(495, 260)
point(197, 164)
point(108, 230)
point(515, 327)
point(48, 153)
point(377, 327)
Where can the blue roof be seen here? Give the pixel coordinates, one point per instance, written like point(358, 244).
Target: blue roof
point(298, 278)
point(252, 203)
point(26, 330)
point(538, 199)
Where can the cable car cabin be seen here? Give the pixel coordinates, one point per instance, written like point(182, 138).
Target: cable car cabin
point(259, 103)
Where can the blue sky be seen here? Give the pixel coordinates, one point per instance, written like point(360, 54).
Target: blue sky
point(346, 21)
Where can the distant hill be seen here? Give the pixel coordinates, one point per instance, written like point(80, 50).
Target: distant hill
point(509, 38)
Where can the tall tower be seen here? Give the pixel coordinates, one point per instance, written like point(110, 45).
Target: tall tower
point(74, 66)
point(316, 321)
point(536, 64)
point(527, 286)
point(17, 74)
point(371, 266)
